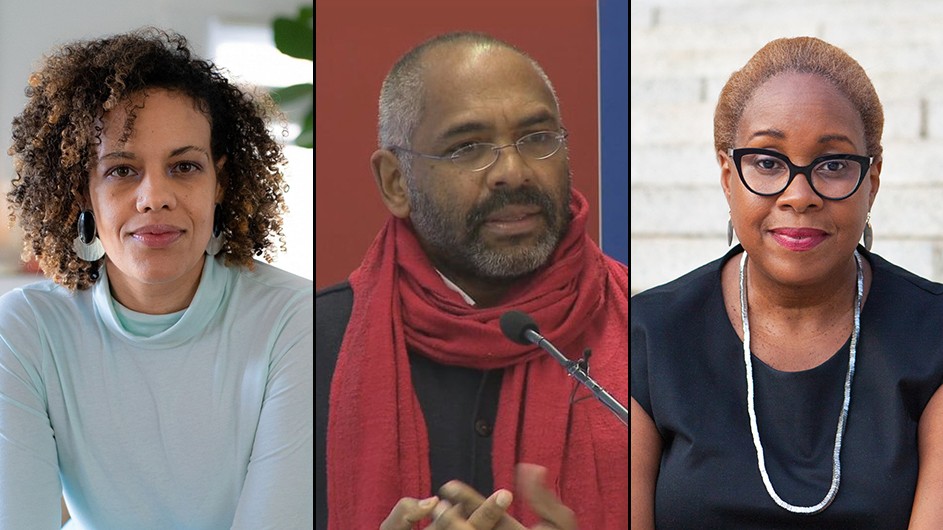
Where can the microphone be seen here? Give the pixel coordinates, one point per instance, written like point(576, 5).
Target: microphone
point(521, 328)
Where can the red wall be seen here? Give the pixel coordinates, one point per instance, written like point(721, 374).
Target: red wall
point(357, 41)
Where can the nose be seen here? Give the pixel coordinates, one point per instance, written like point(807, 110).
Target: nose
point(155, 192)
point(510, 169)
point(799, 195)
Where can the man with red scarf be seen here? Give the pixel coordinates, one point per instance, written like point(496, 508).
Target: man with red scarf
point(426, 413)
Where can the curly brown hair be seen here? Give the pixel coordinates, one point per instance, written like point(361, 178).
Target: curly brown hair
point(55, 136)
point(804, 55)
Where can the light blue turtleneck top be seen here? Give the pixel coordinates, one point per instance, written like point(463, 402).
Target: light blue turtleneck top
point(200, 419)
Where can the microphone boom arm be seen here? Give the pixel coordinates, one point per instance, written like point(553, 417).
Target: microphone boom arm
point(576, 371)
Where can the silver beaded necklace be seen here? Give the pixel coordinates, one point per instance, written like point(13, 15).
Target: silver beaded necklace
point(839, 432)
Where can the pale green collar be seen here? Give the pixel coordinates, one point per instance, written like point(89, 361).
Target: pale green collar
point(166, 331)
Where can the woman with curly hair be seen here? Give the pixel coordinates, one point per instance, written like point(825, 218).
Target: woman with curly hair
point(163, 377)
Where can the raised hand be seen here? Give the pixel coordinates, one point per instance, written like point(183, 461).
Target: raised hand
point(463, 508)
point(555, 515)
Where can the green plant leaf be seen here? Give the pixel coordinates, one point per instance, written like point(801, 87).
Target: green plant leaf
point(306, 16)
point(294, 38)
point(288, 94)
point(306, 137)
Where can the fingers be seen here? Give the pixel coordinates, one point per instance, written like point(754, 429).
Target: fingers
point(461, 494)
point(481, 513)
point(446, 516)
point(492, 510)
point(407, 512)
point(530, 480)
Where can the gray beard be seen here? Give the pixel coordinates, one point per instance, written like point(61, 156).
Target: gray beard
point(456, 241)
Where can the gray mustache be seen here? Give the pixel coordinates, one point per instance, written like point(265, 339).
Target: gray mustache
point(501, 199)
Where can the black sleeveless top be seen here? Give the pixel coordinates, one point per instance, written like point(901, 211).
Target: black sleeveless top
point(688, 374)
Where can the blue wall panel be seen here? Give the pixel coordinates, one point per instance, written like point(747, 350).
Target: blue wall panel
point(614, 127)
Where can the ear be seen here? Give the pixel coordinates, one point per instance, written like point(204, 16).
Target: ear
point(392, 182)
point(874, 174)
point(221, 179)
point(727, 172)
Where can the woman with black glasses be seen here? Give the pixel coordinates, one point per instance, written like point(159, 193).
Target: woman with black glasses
point(793, 382)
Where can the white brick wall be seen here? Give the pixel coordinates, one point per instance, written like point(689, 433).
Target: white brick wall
point(682, 52)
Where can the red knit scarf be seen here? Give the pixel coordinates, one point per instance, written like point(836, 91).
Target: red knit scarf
point(377, 444)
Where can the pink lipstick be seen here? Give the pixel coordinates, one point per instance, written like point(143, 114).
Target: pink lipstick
point(798, 239)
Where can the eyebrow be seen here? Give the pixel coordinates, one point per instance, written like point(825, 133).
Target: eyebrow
point(832, 137)
point(535, 119)
point(118, 154)
point(776, 133)
point(184, 149)
point(131, 156)
point(477, 126)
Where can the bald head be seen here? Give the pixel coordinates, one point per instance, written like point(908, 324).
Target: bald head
point(404, 91)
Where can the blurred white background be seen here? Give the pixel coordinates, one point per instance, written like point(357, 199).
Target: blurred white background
point(236, 34)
